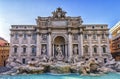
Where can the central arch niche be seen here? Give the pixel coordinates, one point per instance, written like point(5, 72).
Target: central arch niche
point(59, 42)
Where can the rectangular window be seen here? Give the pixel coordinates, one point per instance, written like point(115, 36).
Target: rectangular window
point(33, 50)
point(103, 37)
point(104, 50)
point(85, 36)
point(105, 60)
point(16, 36)
point(23, 60)
point(25, 36)
point(15, 50)
point(33, 36)
point(24, 49)
point(95, 49)
point(86, 49)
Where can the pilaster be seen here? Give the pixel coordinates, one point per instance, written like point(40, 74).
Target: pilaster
point(66, 49)
point(49, 44)
point(90, 45)
point(70, 44)
point(81, 43)
point(11, 46)
point(38, 53)
point(80, 37)
point(29, 46)
point(99, 45)
point(20, 46)
point(108, 44)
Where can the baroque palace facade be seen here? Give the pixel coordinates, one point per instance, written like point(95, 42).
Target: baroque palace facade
point(59, 37)
point(115, 41)
point(4, 51)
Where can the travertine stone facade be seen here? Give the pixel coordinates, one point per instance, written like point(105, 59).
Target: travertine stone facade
point(59, 36)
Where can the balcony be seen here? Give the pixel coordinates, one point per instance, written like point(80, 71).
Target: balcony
point(15, 54)
point(33, 54)
point(24, 41)
point(86, 54)
point(95, 54)
point(105, 54)
point(23, 54)
point(103, 40)
point(33, 41)
point(94, 41)
point(15, 41)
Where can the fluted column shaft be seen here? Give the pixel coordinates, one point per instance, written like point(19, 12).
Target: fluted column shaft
point(38, 53)
point(49, 44)
point(70, 45)
point(99, 46)
point(81, 44)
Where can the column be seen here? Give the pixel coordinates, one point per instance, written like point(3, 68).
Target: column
point(90, 45)
point(81, 44)
point(66, 51)
point(99, 45)
point(38, 53)
point(11, 46)
point(49, 44)
point(20, 39)
point(70, 45)
point(53, 49)
point(29, 46)
point(108, 44)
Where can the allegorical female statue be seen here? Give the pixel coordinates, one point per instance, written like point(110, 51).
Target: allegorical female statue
point(44, 50)
point(75, 50)
point(44, 56)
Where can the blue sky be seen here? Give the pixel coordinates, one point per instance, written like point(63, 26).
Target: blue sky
point(26, 11)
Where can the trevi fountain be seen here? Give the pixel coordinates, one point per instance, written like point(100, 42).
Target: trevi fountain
point(63, 42)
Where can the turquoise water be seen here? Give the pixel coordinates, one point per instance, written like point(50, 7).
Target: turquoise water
point(67, 76)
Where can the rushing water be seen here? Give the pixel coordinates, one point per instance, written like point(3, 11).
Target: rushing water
point(65, 76)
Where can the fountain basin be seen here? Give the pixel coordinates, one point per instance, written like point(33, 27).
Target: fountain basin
point(61, 76)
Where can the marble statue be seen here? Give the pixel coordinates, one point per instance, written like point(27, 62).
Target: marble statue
point(75, 50)
point(44, 50)
point(58, 49)
point(44, 57)
point(59, 55)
